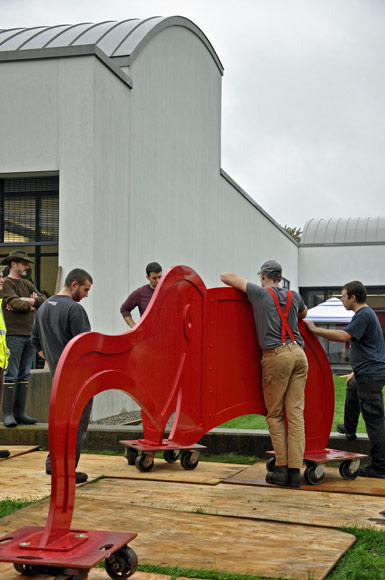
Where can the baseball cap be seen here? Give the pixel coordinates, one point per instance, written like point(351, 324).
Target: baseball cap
point(270, 267)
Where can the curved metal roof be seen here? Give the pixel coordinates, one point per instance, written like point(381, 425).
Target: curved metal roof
point(114, 39)
point(344, 231)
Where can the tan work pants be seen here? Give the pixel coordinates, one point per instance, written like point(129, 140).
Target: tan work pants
point(284, 373)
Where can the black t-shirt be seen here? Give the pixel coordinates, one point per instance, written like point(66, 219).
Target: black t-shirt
point(367, 347)
point(57, 321)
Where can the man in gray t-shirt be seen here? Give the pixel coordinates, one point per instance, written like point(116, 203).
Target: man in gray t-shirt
point(284, 367)
point(58, 322)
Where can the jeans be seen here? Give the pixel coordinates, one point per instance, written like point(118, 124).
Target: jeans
point(20, 360)
point(369, 393)
point(284, 373)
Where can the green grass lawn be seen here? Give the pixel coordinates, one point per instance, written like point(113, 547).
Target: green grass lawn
point(259, 422)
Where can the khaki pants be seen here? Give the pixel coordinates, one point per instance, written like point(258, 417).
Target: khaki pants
point(284, 373)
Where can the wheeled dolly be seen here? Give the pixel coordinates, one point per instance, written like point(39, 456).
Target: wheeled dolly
point(141, 453)
point(71, 556)
point(315, 464)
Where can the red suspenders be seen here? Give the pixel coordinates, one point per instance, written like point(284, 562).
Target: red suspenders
point(284, 315)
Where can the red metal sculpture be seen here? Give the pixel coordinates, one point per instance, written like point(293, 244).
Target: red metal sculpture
point(194, 353)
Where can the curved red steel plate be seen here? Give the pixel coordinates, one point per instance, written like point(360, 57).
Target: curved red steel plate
point(194, 353)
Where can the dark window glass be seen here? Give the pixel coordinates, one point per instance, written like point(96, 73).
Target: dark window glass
point(29, 220)
point(29, 210)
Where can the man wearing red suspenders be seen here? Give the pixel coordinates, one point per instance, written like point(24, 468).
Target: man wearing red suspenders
point(284, 367)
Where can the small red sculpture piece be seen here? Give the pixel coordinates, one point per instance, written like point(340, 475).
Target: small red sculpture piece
point(193, 353)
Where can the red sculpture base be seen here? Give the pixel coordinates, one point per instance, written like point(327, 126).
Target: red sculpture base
point(78, 550)
point(141, 453)
point(315, 464)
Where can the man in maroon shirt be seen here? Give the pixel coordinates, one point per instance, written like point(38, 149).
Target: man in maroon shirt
point(141, 296)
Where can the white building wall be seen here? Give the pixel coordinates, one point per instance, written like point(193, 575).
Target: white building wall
point(336, 265)
point(28, 123)
point(247, 238)
point(110, 209)
point(109, 213)
point(139, 172)
point(71, 116)
point(75, 145)
point(175, 156)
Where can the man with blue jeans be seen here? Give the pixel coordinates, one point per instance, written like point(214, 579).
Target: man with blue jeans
point(20, 300)
point(366, 382)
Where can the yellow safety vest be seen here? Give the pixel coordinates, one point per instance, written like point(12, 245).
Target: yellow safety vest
point(4, 352)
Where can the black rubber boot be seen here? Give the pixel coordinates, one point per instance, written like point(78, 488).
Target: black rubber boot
point(279, 476)
point(7, 405)
point(19, 405)
point(4, 453)
point(294, 477)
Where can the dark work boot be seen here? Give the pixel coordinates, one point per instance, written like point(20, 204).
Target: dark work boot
point(4, 453)
point(341, 429)
point(294, 477)
point(279, 475)
point(19, 405)
point(8, 400)
point(80, 477)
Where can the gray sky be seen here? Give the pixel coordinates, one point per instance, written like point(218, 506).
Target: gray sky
point(303, 123)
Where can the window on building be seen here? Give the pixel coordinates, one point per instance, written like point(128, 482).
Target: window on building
point(285, 283)
point(29, 219)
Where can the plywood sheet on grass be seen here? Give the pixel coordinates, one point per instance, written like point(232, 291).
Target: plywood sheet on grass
point(193, 540)
point(17, 450)
point(115, 466)
point(333, 482)
point(25, 477)
point(277, 504)
point(7, 572)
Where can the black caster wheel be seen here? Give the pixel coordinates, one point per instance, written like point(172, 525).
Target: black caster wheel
point(122, 563)
point(189, 459)
point(314, 474)
point(27, 569)
point(131, 454)
point(349, 468)
point(270, 464)
point(171, 455)
point(144, 463)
